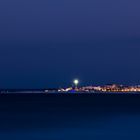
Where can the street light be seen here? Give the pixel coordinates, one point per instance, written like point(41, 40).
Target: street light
point(76, 82)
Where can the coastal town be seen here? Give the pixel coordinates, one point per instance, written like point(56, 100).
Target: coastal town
point(104, 88)
point(96, 89)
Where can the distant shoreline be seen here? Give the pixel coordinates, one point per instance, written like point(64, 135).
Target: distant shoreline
point(65, 93)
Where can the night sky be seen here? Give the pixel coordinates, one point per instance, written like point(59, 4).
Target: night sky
point(48, 43)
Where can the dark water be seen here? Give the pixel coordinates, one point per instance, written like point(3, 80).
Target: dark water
point(67, 117)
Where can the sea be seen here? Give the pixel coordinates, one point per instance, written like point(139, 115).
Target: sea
point(69, 116)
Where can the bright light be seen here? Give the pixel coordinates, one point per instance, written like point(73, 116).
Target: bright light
point(76, 82)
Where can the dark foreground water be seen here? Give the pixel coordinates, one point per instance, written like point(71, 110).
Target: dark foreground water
point(69, 117)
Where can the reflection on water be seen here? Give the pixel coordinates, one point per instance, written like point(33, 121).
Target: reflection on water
point(66, 117)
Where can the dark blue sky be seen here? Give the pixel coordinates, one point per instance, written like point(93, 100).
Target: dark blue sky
point(47, 43)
